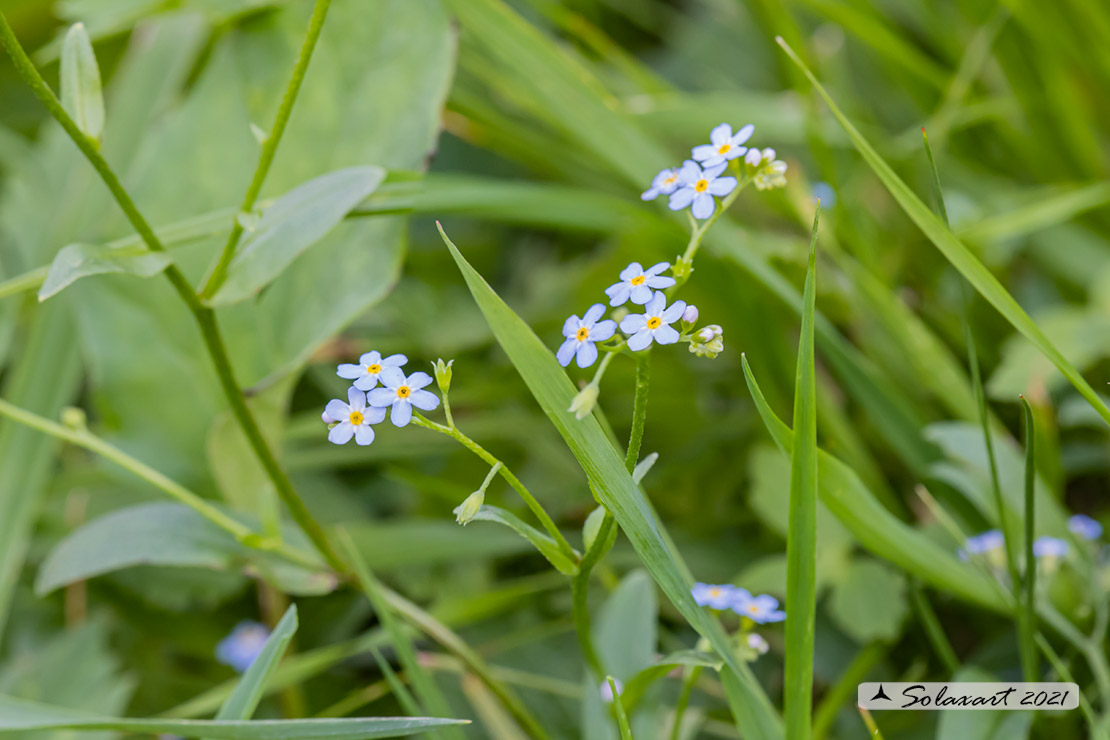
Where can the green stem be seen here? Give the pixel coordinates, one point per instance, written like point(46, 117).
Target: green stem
point(1091, 651)
point(639, 411)
point(933, 629)
point(507, 474)
point(1028, 624)
point(1063, 672)
point(204, 316)
point(269, 146)
point(683, 702)
point(845, 688)
point(697, 234)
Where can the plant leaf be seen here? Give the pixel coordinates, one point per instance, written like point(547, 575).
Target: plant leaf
point(547, 546)
point(248, 692)
point(604, 467)
point(75, 261)
point(292, 224)
point(80, 81)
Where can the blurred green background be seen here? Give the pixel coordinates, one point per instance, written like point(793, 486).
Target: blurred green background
point(538, 123)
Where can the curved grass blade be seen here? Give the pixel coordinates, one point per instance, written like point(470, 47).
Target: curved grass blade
point(248, 692)
point(547, 546)
point(1026, 598)
point(605, 469)
point(801, 541)
point(618, 709)
point(877, 529)
point(954, 250)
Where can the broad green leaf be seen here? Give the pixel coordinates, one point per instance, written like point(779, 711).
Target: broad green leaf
point(869, 602)
point(80, 80)
point(23, 716)
point(292, 224)
point(955, 251)
point(75, 261)
point(164, 534)
point(876, 528)
point(248, 692)
point(542, 542)
point(605, 470)
point(801, 538)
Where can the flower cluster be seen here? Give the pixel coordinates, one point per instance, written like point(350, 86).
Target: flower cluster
point(761, 609)
point(367, 403)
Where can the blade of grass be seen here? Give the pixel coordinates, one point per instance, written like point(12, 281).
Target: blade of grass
point(801, 542)
point(605, 469)
point(872, 728)
point(404, 696)
point(845, 688)
point(933, 629)
point(248, 692)
point(618, 709)
point(1026, 598)
point(954, 250)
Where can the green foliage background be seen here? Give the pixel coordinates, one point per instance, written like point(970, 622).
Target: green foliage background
point(529, 128)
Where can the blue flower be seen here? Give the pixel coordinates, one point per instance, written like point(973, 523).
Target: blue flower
point(986, 543)
point(637, 283)
point(757, 643)
point(242, 646)
point(697, 187)
point(715, 596)
point(401, 394)
point(654, 324)
point(353, 419)
point(1084, 527)
point(582, 333)
point(369, 367)
point(724, 145)
point(1050, 547)
point(664, 183)
point(761, 609)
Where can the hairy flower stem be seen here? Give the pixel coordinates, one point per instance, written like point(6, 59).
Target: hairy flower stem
point(269, 146)
point(205, 317)
point(507, 474)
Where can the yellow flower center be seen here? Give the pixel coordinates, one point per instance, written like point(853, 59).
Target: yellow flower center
point(670, 180)
point(654, 322)
point(404, 392)
point(723, 149)
point(753, 609)
point(374, 369)
point(582, 334)
point(356, 418)
point(638, 280)
point(714, 592)
point(701, 185)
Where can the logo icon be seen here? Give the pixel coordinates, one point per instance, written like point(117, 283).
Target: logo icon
point(880, 694)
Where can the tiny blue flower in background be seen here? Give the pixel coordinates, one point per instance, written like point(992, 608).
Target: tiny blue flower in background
point(824, 192)
point(664, 183)
point(637, 283)
point(758, 643)
point(760, 609)
point(724, 145)
point(697, 188)
point(714, 596)
point(606, 691)
point(654, 324)
point(369, 367)
point(400, 394)
point(1049, 547)
point(353, 419)
point(1084, 527)
point(581, 333)
point(242, 646)
point(983, 544)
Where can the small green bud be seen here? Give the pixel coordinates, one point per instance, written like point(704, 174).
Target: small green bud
point(682, 268)
point(443, 374)
point(249, 221)
point(74, 418)
point(707, 341)
point(583, 403)
point(468, 509)
point(260, 135)
point(592, 526)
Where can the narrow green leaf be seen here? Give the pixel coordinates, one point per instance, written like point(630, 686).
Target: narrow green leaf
point(251, 687)
point(618, 708)
point(547, 546)
point(80, 80)
point(877, 529)
point(801, 540)
point(635, 689)
point(292, 224)
point(1027, 597)
point(954, 250)
point(75, 261)
point(606, 472)
point(404, 696)
point(17, 716)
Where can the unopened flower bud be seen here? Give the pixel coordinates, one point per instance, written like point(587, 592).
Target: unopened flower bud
point(74, 418)
point(606, 690)
point(468, 509)
point(757, 643)
point(443, 374)
point(709, 333)
point(327, 419)
point(708, 341)
point(592, 527)
point(690, 315)
point(584, 401)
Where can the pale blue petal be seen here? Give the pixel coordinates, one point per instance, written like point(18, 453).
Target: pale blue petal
point(666, 335)
point(349, 371)
point(593, 313)
point(341, 433)
point(586, 354)
point(571, 325)
point(673, 312)
point(720, 135)
point(603, 330)
point(640, 340)
point(397, 360)
point(711, 173)
point(366, 382)
point(722, 186)
point(659, 282)
point(364, 435)
point(681, 198)
point(690, 173)
point(392, 376)
point(618, 294)
point(633, 323)
point(381, 397)
point(713, 161)
point(369, 358)
point(566, 352)
point(424, 400)
point(356, 398)
point(743, 134)
point(337, 410)
point(703, 152)
point(634, 269)
point(703, 205)
point(656, 305)
point(736, 152)
point(374, 414)
point(650, 194)
point(401, 413)
point(418, 380)
point(657, 268)
point(641, 294)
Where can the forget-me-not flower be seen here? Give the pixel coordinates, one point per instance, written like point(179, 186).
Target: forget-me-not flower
point(1084, 527)
point(353, 419)
point(582, 333)
point(757, 643)
point(369, 368)
point(240, 648)
point(665, 183)
point(637, 284)
point(400, 394)
point(986, 543)
point(1049, 547)
point(724, 145)
point(654, 324)
point(715, 596)
point(697, 188)
point(760, 609)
